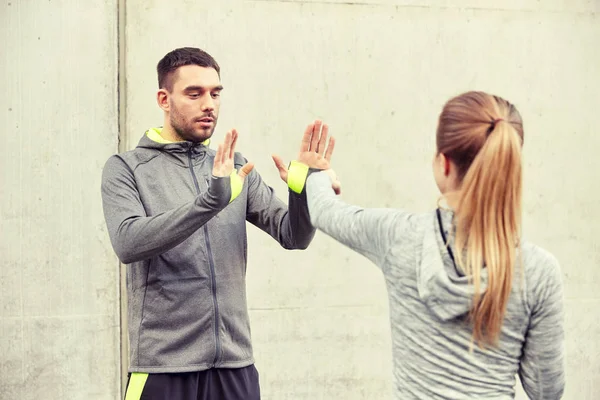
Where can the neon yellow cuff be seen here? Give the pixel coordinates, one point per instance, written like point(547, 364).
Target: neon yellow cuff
point(236, 185)
point(297, 173)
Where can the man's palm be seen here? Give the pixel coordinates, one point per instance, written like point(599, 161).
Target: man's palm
point(223, 165)
point(314, 150)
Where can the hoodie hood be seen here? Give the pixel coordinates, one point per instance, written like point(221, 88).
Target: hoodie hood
point(445, 292)
point(177, 152)
point(156, 135)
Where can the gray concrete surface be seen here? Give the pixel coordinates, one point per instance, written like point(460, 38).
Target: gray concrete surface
point(377, 71)
point(58, 278)
point(379, 74)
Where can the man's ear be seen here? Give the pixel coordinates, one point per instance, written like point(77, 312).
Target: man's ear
point(162, 98)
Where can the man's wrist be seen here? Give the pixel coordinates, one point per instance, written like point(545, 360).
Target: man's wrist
point(236, 184)
point(297, 174)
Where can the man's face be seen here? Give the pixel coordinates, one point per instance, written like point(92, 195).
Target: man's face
point(194, 102)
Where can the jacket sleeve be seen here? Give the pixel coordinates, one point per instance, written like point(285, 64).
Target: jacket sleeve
point(542, 369)
point(368, 231)
point(136, 236)
point(289, 225)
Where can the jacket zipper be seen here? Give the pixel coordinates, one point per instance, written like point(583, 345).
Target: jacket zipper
point(212, 267)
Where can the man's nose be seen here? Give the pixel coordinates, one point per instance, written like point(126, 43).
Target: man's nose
point(208, 103)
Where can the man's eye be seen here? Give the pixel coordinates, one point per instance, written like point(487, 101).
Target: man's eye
point(215, 95)
point(194, 95)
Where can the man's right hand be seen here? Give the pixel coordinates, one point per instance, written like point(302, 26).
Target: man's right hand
point(223, 165)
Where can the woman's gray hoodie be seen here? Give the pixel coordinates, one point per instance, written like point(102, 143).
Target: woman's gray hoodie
point(429, 303)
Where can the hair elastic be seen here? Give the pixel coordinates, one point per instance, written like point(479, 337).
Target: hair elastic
point(493, 123)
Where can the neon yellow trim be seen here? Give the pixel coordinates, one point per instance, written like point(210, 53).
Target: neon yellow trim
point(155, 134)
point(137, 381)
point(236, 185)
point(297, 174)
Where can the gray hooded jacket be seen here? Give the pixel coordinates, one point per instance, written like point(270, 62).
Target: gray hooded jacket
point(429, 302)
point(185, 243)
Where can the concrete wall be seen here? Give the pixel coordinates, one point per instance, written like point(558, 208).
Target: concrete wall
point(378, 72)
point(58, 276)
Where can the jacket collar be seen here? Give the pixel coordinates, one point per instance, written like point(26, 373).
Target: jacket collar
point(178, 152)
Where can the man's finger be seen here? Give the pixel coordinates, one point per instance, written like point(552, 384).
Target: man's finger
point(218, 157)
point(283, 172)
point(279, 163)
point(245, 170)
point(305, 146)
point(330, 148)
point(316, 133)
point(226, 146)
point(322, 140)
point(234, 137)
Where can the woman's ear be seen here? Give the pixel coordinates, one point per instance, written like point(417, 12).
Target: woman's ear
point(444, 164)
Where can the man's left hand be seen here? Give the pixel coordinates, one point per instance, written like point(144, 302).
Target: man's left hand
point(314, 150)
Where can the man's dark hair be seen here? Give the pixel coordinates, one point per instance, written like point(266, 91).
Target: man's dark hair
point(180, 57)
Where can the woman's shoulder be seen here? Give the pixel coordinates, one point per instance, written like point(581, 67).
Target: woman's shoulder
point(542, 272)
point(537, 260)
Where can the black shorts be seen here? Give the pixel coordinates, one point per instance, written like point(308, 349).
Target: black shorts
point(212, 384)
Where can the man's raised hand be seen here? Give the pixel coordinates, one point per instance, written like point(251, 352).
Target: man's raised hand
point(224, 165)
point(314, 149)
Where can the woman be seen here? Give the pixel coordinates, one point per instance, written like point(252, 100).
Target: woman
point(469, 316)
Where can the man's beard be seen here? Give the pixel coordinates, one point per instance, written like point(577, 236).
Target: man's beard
point(187, 130)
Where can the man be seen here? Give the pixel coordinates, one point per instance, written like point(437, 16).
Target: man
point(176, 213)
